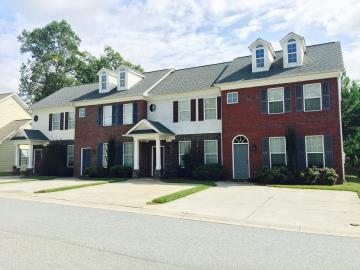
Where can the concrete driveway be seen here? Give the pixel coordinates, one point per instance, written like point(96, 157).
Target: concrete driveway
point(322, 211)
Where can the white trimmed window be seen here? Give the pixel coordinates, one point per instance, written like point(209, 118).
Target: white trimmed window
point(128, 154)
point(312, 97)
point(128, 114)
point(71, 120)
point(211, 151)
point(184, 148)
point(70, 155)
point(210, 108)
point(277, 146)
point(55, 121)
point(105, 155)
point(24, 155)
point(232, 98)
point(276, 100)
point(82, 112)
point(184, 110)
point(260, 56)
point(107, 118)
point(314, 151)
point(291, 51)
point(103, 81)
point(122, 79)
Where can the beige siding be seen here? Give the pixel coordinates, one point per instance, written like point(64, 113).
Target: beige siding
point(11, 110)
point(7, 156)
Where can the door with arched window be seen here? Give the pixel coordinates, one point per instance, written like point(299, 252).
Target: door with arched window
point(240, 147)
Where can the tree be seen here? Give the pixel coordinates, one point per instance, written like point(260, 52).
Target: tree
point(54, 55)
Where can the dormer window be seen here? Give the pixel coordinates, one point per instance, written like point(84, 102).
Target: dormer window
point(103, 81)
point(260, 61)
point(122, 80)
point(292, 51)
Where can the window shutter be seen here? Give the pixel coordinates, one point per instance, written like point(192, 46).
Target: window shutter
point(325, 95)
point(135, 113)
point(218, 107)
point(120, 114)
point(50, 122)
point(300, 146)
point(175, 111)
point(113, 115)
point(61, 121)
point(299, 98)
point(201, 109)
point(100, 154)
point(265, 152)
point(263, 101)
point(100, 116)
point(328, 151)
point(193, 110)
point(119, 154)
point(287, 97)
point(67, 120)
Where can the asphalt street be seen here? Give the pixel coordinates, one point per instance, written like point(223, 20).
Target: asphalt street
point(36, 235)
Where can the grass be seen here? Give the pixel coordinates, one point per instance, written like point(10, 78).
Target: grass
point(108, 179)
point(180, 194)
point(40, 177)
point(16, 181)
point(5, 173)
point(71, 187)
point(188, 181)
point(352, 184)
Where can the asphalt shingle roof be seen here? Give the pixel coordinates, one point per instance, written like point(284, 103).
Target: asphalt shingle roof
point(138, 89)
point(34, 134)
point(318, 58)
point(11, 127)
point(160, 127)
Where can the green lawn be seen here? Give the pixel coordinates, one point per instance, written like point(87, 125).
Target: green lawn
point(188, 181)
point(5, 173)
point(183, 193)
point(71, 187)
point(40, 177)
point(352, 184)
point(16, 181)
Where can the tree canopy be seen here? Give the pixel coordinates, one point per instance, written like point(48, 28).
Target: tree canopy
point(55, 61)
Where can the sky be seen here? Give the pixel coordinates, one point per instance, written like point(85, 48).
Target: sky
point(180, 33)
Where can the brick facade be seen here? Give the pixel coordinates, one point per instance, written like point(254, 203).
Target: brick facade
point(245, 118)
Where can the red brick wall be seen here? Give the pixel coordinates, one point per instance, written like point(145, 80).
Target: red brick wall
point(245, 118)
point(89, 134)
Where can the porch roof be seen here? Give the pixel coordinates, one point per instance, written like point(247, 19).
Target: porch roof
point(31, 134)
point(145, 126)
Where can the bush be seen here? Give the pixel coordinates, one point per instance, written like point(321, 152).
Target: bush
point(192, 160)
point(65, 171)
point(212, 172)
point(172, 171)
point(316, 176)
point(312, 176)
point(95, 171)
point(121, 171)
point(275, 175)
point(328, 176)
point(54, 161)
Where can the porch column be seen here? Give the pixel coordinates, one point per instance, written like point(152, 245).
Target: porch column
point(17, 150)
point(157, 173)
point(30, 153)
point(136, 171)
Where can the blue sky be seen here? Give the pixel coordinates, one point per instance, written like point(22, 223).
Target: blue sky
point(170, 33)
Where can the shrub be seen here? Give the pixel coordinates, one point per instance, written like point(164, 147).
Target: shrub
point(192, 160)
point(328, 176)
point(275, 175)
point(54, 161)
point(65, 171)
point(214, 172)
point(121, 171)
point(95, 171)
point(312, 176)
point(172, 171)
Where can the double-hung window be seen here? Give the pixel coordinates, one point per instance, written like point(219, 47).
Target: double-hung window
point(55, 121)
point(107, 118)
point(103, 81)
point(24, 156)
point(312, 97)
point(105, 155)
point(276, 100)
point(232, 98)
point(314, 151)
point(122, 79)
point(211, 151)
point(260, 59)
point(70, 156)
point(184, 110)
point(128, 114)
point(292, 51)
point(277, 146)
point(210, 108)
point(82, 112)
point(71, 120)
point(128, 154)
point(184, 148)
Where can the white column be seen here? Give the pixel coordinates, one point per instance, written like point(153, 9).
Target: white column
point(136, 154)
point(17, 149)
point(30, 153)
point(158, 155)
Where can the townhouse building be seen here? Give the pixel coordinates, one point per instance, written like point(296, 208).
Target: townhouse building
point(234, 113)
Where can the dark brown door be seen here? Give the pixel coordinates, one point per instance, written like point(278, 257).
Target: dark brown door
point(38, 160)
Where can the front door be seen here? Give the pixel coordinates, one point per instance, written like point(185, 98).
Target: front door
point(37, 160)
point(85, 159)
point(153, 159)
point(241, 160)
